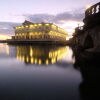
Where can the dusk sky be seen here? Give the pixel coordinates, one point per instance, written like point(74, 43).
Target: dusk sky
point(64, 13)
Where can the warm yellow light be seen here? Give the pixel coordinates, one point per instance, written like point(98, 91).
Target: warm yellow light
point(26, 26)
point(47, 24)
point(31, 52)
point(87, 6)
point(27, 59)
point(39, 24)
point(35, 61)
point(35, 24)
point(22, 27)
point(67, 38)
point(23, 58)
point(47, 62)
point(19, 27)
point(31, 26)
point(4, 37)
point(32, 60)
point(16, 27)
point(40, 61)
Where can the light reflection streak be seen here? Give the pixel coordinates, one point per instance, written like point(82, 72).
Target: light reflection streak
point(4, 49)
point(40, 55)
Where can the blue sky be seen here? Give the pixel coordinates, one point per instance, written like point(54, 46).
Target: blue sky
point(59, 12)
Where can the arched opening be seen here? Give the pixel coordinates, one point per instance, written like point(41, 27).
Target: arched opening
point(88, 42)
point(92, 11)
point(97, 9)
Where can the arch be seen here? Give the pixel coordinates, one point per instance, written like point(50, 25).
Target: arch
point(88, 43)
point(97, 9)
point(92, 11)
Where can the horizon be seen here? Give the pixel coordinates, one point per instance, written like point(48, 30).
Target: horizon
point(64, 13)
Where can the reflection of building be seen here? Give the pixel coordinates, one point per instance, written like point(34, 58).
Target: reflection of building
point(43, 31)
point(40, 55)
point(88, 63)
point(4, 49)
point(7, 51)
point(90, 86)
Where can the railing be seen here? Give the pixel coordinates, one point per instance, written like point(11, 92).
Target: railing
point(79, 28)
point(95, 9)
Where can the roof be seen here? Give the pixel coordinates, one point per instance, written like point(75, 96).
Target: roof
point(27, 23)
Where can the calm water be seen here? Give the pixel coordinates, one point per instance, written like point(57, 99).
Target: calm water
point(39, 73)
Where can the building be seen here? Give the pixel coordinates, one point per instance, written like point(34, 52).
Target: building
point(39, 31)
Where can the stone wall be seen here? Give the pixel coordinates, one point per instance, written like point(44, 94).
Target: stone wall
point(89, 36)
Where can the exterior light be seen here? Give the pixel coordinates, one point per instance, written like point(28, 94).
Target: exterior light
point(16, 27)
point(39, 24)
point(22, 27)
point(26, 26)
point(40, 61)
point(35, 25)
point(49, 31)
point(47, 24)
point(31, 25)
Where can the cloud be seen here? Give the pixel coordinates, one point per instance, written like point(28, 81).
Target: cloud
point(76, 15)
point(6, 28)
point(37, 18)
point(61, 19)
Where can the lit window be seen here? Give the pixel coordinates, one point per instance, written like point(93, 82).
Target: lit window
point(47, 24)
point(26, 26)
point(31, 26)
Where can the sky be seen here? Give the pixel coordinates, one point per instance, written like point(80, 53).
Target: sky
point(64, 13)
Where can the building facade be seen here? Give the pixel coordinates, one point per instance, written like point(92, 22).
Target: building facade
point(31, 31)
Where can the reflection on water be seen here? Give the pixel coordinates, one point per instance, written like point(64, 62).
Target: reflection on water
point(78, 81)
point(88, 63)
point(4, 49)
point(40, 54)
point(58, 81)
point(90, 85)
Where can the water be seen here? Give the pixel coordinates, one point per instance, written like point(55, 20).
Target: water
point(38, 73)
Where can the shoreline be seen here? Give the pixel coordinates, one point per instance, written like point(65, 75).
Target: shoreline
point(46, 42)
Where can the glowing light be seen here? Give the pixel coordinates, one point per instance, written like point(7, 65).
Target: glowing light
point(22, 27)
point(27, 59)
point(35, 61)
point(70, 26)
point(67, 38)
point(47, 62)
point(7, 49)
point(4, 49)
point(35, 24)
point(31, 52)
point(4, 37)
point(87, 6)
point(47, 24)
point(23, 59)
point(34, 57)
point(32, 60)
point(39, 24)
point(31, 26)
point(26, 26)
point(40, 61)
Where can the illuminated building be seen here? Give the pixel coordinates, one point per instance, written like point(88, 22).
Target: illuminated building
point(39, 54)
point(39, 31)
